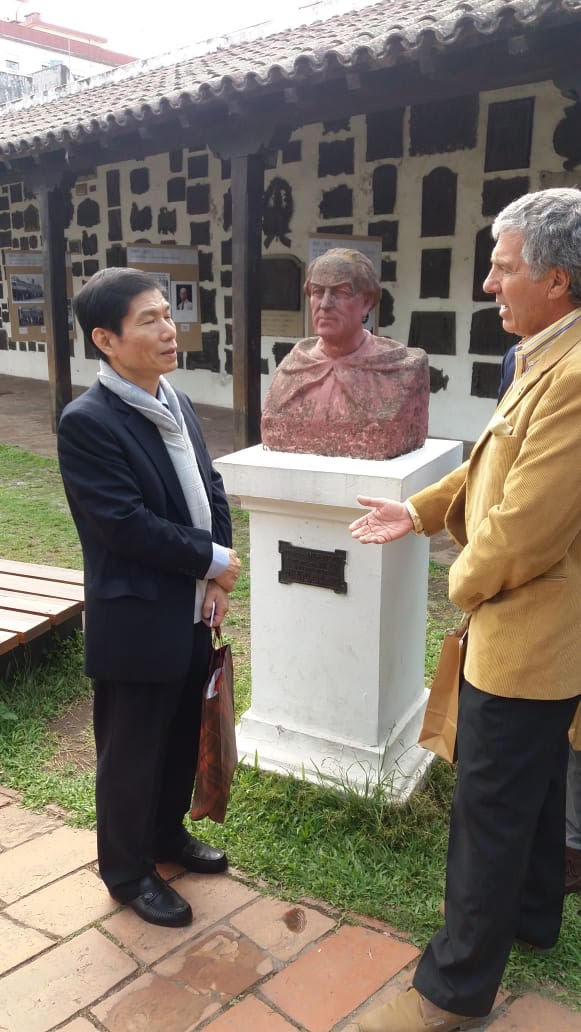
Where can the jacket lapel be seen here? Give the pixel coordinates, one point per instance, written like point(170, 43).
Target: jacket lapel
point(515, 392)
point(148, 437)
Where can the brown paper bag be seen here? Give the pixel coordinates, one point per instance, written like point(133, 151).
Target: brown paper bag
point(217, 756)
point(438, 733)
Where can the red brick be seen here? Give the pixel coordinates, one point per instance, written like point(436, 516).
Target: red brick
point(65, 906)
point(33, 864)
point(18, 944)
point(54, 987)
point(252, 1016)
point(222, 963)
point(17, 825)
point(156, 1004)
point(330, 980)
point(212, 899)
point(282, 928)
point(533, 1013)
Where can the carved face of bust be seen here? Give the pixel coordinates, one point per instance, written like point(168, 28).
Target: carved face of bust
point(342, 287)
point(338, 312)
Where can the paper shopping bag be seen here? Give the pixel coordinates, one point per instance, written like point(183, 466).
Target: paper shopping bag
point(217, 756)
point(438, 733)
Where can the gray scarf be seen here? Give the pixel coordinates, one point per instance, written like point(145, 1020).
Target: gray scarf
point(170, 423)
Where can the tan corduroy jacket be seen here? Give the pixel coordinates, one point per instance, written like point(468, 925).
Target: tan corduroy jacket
point(515, 507)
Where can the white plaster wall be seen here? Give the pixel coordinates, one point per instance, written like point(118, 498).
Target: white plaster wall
point(454, 413)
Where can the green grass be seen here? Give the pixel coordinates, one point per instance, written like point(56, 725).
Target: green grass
point(357, 853)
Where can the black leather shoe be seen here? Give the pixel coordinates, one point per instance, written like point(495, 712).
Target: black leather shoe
point(158, 903)
point(199, 858)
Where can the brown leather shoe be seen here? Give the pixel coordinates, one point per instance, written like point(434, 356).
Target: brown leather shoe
point(572, 869)
point(411, 1012)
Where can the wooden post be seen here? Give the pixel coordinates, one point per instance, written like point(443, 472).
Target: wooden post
point(52, 226)
point(247, 190)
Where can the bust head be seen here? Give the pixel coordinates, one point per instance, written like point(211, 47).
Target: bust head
point(346, 392)
point(342, 288)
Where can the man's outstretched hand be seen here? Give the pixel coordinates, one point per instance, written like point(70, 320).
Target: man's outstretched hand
point(387, 521)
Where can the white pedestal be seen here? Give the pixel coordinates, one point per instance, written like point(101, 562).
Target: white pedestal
point(337, 679)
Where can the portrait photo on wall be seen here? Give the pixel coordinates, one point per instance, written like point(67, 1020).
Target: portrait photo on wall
point(27, 286)
point(184, 302)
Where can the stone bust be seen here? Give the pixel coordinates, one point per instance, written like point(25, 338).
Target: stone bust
point(345, 391)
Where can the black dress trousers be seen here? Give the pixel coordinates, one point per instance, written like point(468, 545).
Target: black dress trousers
point(147, 737)
point(506, 850)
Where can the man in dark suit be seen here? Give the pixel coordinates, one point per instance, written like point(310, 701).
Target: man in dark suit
point(155, 529)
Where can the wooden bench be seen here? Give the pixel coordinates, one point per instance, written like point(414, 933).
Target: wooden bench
point(36, 600)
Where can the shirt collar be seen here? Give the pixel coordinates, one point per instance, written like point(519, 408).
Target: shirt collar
point(531, 349)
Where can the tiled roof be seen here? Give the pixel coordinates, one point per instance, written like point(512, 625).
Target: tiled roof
point(370, 37)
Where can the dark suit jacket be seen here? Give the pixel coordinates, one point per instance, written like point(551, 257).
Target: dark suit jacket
point(141, 552)
point(507, 371)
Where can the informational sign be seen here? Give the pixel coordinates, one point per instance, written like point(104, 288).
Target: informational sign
point(369, 246)
point(26, 298)
point(176, 270)
point(26, 295)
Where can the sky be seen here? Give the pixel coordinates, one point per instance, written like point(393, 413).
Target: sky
point(170, 25)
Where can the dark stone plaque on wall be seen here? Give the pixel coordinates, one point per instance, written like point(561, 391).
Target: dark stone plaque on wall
point(113, 188)
point(386, 316)
point(205, 265)
point(435, 274)
point(199, 233)
point(176, 160)
point(487, 336)
point(291, 152)
point(337, 203)
point(280, 350)
point(509, 134)
point(176, 189)
point(114, 223)
point(313, 566)
point(88, 213)
point(444, 125)
point(485, 380)
point(139, 180)
point(385, 134)
point(198, 199)
point(497, 193)
point(387, 230)
point(198, 166)
point(439, 203)
point(482, 251)
point(208, 357)
point(388, 272)
point(336, 158)
point(435, 332)
point(281, 285)
point(567, 137)
point(438, 380)
point(384, 188)
point(208, 306)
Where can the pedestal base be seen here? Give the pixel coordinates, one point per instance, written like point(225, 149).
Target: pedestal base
point(337, 675)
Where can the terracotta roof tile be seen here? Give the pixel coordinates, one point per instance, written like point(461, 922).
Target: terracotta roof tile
point(372, 37)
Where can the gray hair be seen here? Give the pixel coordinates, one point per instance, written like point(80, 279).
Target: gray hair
point(550, 222)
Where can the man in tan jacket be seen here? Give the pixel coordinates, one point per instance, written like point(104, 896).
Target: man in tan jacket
point(515, 508)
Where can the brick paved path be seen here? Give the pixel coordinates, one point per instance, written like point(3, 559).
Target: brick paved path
point(72, 958)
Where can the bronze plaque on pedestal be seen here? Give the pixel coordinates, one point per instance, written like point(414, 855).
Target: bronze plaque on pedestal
point(313, 566)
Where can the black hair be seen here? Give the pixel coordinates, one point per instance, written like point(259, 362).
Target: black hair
point(105, 299)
